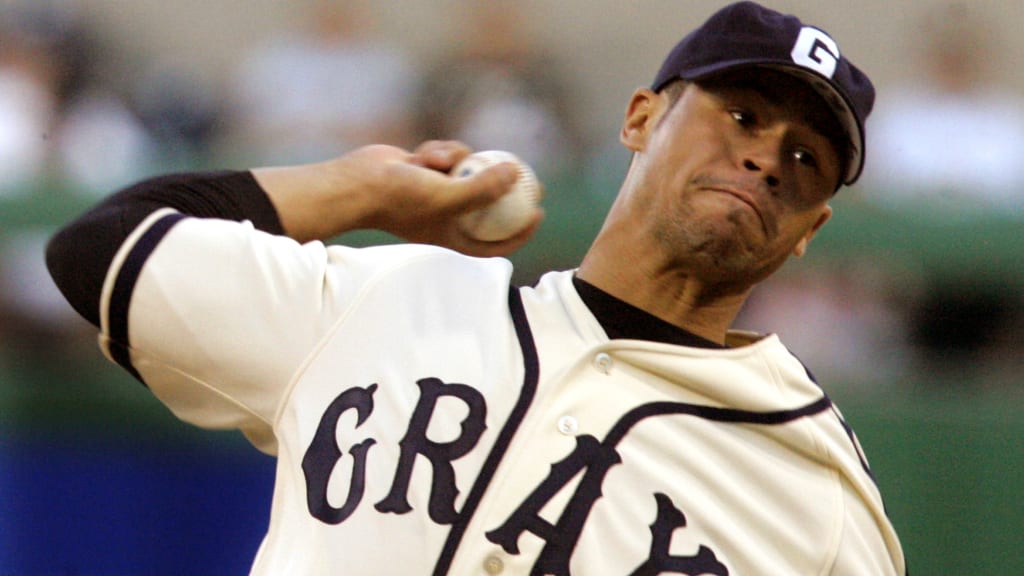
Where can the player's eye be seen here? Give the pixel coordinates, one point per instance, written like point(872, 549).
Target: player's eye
point(743, 117)
point(805, 157)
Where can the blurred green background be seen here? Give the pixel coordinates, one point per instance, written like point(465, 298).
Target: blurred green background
point(908, 307)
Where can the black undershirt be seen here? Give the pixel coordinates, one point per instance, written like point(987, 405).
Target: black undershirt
point(622, 320)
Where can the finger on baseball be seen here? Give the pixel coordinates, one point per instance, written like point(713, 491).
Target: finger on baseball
point(484, 187)
point(440, 155)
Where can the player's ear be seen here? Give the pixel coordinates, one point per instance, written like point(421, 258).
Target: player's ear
point(639, 119)
point(801, 247)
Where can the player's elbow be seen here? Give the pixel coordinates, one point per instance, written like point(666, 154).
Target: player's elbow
point(73, 270)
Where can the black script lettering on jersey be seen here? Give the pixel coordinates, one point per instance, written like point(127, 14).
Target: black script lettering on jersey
point(590, 461)
point(323, 454)
point(594, 458)
point(661, 562)
point(443, 489)
point(589, 456)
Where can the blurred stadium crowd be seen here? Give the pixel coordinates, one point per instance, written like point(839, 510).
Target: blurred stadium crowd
point(74, 128)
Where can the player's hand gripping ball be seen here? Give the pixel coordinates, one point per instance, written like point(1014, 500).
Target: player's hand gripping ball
point(510, 213)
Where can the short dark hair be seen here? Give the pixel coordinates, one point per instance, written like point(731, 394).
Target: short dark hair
point(673, 90)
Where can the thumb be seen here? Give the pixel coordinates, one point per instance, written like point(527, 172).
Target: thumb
point(484, 187)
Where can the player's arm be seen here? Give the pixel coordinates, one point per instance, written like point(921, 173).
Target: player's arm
point(408, 194)
point(381, 187)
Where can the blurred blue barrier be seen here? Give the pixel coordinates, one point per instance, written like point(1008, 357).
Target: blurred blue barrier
point(130, 506)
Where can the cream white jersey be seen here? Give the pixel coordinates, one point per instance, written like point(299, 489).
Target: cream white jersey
point(430, 418)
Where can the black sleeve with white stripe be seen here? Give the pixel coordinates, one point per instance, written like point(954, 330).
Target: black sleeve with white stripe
point(80, 253)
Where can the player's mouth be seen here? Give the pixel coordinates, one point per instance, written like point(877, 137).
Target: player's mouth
point(745, 198)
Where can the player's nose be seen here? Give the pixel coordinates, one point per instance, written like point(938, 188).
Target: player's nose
point(762, 154)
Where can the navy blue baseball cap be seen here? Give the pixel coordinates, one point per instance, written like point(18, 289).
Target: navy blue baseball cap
point(747, 35)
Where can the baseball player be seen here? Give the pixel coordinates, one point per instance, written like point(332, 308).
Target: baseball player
point(430, 418)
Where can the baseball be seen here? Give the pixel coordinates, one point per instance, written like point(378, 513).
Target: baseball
point(510, 213)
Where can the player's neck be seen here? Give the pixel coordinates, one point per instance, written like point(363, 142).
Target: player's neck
point(676, 298)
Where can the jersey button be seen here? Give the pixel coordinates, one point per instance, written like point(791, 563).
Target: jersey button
point(603, 362)
point(493, 565)
point(568, 425)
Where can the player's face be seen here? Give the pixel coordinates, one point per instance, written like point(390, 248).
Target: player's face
point(734, 176)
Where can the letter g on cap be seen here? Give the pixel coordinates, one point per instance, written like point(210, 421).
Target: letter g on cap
point(816, 50)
